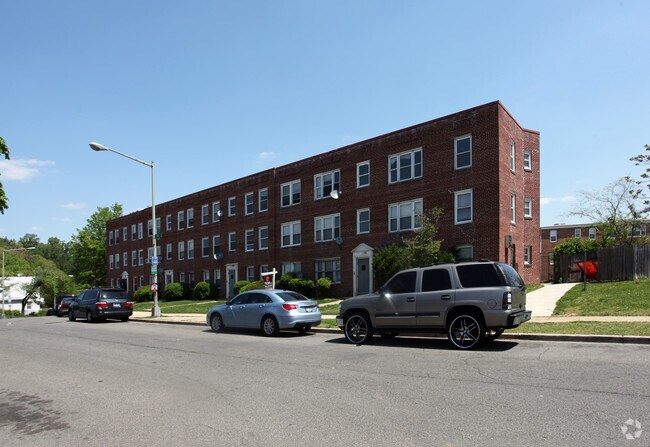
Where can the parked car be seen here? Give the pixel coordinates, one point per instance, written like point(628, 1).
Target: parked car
point(101, 303)
point(267, 310)
point(64, 306)
point(471, 302)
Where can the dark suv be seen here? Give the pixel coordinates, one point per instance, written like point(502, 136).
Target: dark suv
point(471, 302)
point(100, 304)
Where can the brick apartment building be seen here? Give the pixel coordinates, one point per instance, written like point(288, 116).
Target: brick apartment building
point(553, 235)
point(479, 165)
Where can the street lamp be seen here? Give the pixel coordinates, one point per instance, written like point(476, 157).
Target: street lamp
point(3, 274)
point(155, 310)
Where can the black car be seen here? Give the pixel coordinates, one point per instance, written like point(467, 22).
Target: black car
point(99, 304)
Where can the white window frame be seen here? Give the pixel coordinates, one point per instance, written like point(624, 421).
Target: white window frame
point(181, 250)
point(134, 258)
point(168, 222)
point(190, 249)
point(125, 234)
point(249, 203)
point(469, 249)
point(205, 214)
point(528, 208)
point(216, 244)
point(263, 198)
point(190, 218)
point(413, 209)
point(336, 269)
point(250, 273)
point(149, 228)
point(141, 257)
point(323, 224)
point(577, 233)
point(289, 228)
point(363, 176)
point(397, 160)
point(232, 241)
point(216, 207)
point(180, 217)
point(513, 149)
point(528, 161)
point(457, 196)
point(111, 262)
point(205, 247)
point(291, 267)
point(359, 212)
point(528, 254)
point(169, 252)
point(263, 241)
point(293, 197)
point(134, 232)
point(232, 206)
point(206, 275)
point(323, 190)
point(513, 208)
point(457, 166)
point(140, 230)
point(592, 234)
point(552, 236)
point(249, 240)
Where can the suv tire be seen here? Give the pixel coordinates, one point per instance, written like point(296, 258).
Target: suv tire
point(358, 329)
point(466, 330)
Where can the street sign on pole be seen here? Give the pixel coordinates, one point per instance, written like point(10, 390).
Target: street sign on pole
point(154, 287)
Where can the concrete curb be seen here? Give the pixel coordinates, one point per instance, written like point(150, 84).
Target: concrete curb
point(576, 338)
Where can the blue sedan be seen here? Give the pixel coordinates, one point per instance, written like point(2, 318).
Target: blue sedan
point(267, 310)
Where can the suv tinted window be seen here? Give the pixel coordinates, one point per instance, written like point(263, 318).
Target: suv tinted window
point(512, 277)
point(402, 283)
point(478, 275)
point(115, 295)
point(435, 279)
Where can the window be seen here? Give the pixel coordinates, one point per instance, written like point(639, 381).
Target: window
point(363, 221)
point(206, 276)
point(363, 174)
point(117, 236)
point(190, 249)
point(528, 208)
point(190, 218)
point(328, 268)
point(181, 276)
point(327, 228)
point(528, 161)
point(205, 247)
point(149, 255)
point(117, 261)
point(592, 234)
point(110, 238)
point(513, 207)
point(250, 240)
point(168, 220)
point(216, 211)
point(205, 214)
point(125, 234)
point(181, 220)
point(158, 226)
point(463, 207)
point(216, 245)
point(463, 152)
point(401, 283)
point(249, 202)
point(250, 273)
point(232, 241)
point(111, 262)
point(149, 228)
point(405, 166)
point(217, 279)
point(263, 199)
point(232, 206)
point(140, 257)
point(435, 279)
point(527, 254)
point(134, 232)
point(639, 230)
point(168, 252)
point(134, 258)
point(140, 231)
point(325, 183)
point(291, 267)
point(465, 253)
point(512, 156)
point(263, 238)
point(290, 193)
point(181, 250)
point(405, 216)
point(190, 279)
point(291, 234)
point(577, 233)
point(553, 236)
point(125, 259)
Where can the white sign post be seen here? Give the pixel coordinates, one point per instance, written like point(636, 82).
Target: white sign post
point(269, 279)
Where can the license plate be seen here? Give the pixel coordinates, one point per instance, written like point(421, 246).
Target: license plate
point(117, 305)
point(309, 309)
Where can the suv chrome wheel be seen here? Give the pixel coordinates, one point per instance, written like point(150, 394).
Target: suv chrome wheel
point(358, 329)
point(466, 331)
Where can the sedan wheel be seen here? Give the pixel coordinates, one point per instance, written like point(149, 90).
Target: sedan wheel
point(358, 329)
point(216, 323)
point(270, 326)
point(466, 331)
point(71, 316)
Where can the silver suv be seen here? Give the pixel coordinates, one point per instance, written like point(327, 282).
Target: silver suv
point(471, 302)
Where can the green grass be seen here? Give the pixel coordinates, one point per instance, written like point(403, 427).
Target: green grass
point(629, 298)
point(328, 323)
point(532, 287)
point(585, 328)
point(193, 306)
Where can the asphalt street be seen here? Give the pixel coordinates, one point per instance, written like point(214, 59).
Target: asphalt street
point(138, 384)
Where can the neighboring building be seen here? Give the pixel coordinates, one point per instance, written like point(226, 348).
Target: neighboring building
point(479, 165)
point(15, 287)
point(556, 234)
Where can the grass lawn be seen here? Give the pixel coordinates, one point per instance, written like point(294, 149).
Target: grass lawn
point(531, 287)
point(585, 328)
point(628, 298)
point(193, 307)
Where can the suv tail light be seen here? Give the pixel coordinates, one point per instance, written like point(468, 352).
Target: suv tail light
point(128, 304)
point(101, 305)
point(507, 301)
point(290, 306)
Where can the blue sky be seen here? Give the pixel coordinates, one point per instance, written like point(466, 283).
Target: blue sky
point(213, 91)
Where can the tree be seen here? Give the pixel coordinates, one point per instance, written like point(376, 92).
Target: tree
point(88, 247)
point(575, 246)
point(29, 240)
point(615, 211)
point(640, 192)
point(4, 202)
point(57, 251)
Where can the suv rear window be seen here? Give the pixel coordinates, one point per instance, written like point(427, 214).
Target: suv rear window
point(478, 275)
point(512, 277)
point(114, 295)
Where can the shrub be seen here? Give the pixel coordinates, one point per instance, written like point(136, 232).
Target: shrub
point(323, 287)
point(174, 291)
point(388, 261)
point(283, 283)
point(143, 294)
point(202, 291)
point(255, 285)
point(239, 285)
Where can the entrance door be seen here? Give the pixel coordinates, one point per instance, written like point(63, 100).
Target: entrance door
point(231, 279)
point(363, 276)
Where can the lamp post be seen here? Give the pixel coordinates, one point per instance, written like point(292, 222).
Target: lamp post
point(155, 310)
point(2, 316)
